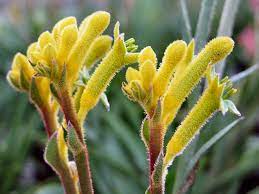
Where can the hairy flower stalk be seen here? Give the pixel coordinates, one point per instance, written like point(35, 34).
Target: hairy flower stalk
point(55, 75)
point(217, 49)
point(161, 92)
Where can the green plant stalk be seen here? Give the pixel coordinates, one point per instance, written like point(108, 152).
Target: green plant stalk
point(68, 183)
point(69, 111)
point(84, 172)
point(155, 147)
point(81, 159)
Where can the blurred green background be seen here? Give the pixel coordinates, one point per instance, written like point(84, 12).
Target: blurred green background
point(117, 155)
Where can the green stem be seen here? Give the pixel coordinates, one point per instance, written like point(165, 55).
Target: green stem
point(84, 172)
point(69, 111)
point(81, 158)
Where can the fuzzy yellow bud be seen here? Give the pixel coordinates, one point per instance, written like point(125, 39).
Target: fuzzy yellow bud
point(101, 77)
point(13, 77)
point(186, 60)
point(100, 46)
point(49, 54)
point(173, 55)
point(181, 86)
point(46, 38)
point(33, 48)
point(116, 30)
point(147, 54)
point(95, 25)
point(131, 58)
point(148, 72)
point(58, 28)
point(43, 87)
point(218, 48)
point(201, 112)
point(132, 74)
point(68, 38)
point(21, 73)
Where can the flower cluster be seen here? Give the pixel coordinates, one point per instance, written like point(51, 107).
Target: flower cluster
point(55, 74)
point(162, 91)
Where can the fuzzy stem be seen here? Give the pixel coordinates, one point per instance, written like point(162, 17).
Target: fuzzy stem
point(84, 172)
point(68, 182)
point(82, 158)
point(69, 111)
point(155, 146)
point(49, 119)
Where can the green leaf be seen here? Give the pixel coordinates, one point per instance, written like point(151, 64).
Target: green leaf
point(226, 25)
point(240, 76)
point(51, 154)
point(204, 23)
point(210, 143)
point(186, 31)
point(145, 132)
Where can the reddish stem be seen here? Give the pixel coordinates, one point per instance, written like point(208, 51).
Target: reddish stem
point(49, 120)
point(69, 112)
point(155, 147)
point(82, 158)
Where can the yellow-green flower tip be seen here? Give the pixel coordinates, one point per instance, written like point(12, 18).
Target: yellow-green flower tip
point(218, 48)
point(21, 73)
point(173, 55)
point(147, 54)
point(100, 46)
point(43, 88)
point(100, 79)
point(132, 74)
point(174, 52)
point(94, 25)
point(67, 38)
point(49, 53)
point(99, 21)
point(190, 51)
point(207, 105)
point(58, 28)
point(46, 38)
point(116, 30)
point(148, 72)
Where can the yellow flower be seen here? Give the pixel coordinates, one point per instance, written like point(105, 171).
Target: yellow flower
point(95, 26)
point(102, 76)
point(21, 73)
point(97, 50)
point(182, 85)
point(173, 55)
point(210, 102)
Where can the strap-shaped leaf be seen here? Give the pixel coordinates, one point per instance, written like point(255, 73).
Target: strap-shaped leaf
point(210, 143)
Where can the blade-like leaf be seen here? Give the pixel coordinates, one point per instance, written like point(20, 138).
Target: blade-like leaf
point(201, 36)
point(210, 143)
point(226, 26)
point(186, 31)
point(242, 75)
point(204, 22)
